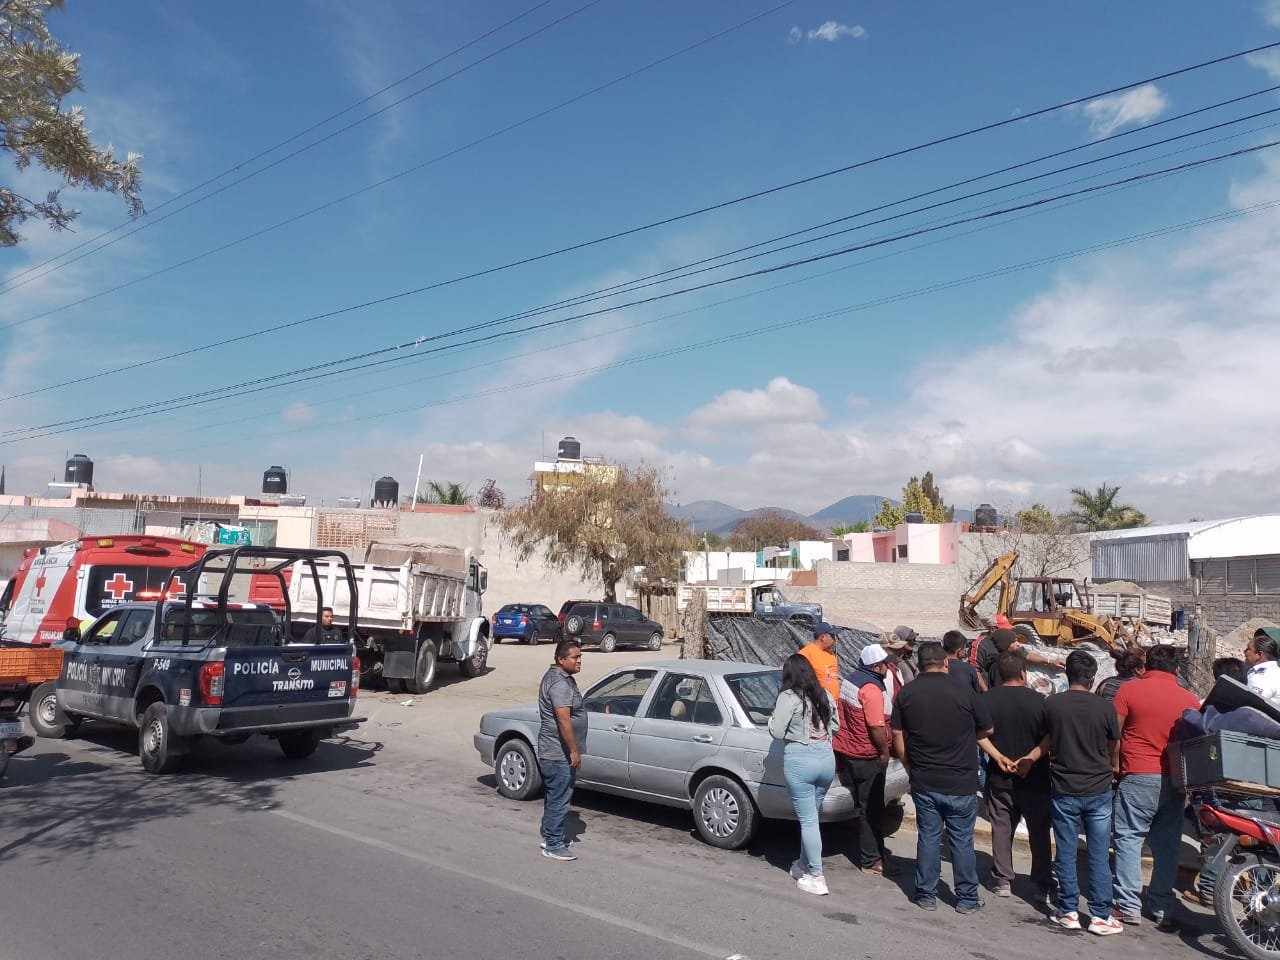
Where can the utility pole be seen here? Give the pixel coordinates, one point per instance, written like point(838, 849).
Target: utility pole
point(417, 480)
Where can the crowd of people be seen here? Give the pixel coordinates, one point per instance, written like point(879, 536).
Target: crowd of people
point(961, 718)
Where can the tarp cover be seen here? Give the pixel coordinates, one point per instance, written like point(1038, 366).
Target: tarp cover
point(770, 642)
point(438, 558)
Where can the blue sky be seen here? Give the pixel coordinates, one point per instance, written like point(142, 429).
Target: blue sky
point(1146, 365)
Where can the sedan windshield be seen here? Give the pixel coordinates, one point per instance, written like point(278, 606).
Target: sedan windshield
point(756, 692)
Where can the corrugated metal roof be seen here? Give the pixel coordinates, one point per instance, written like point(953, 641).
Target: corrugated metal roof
point(1253, 536)
point(1144, 559)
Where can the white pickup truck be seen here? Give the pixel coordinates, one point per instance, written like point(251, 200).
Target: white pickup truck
point(419, 604)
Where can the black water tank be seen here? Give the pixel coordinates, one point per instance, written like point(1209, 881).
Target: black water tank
point(914, 518)
point(386, 490)
point(275, 480)
point(79, 470)
point(985, 516)
point(569, 449)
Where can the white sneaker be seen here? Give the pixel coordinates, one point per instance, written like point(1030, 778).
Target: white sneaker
point(798, 870)
point(1068, 921)
point(815, 885)
point(1105, 926)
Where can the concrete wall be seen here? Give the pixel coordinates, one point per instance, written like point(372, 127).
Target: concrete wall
point(923, 596)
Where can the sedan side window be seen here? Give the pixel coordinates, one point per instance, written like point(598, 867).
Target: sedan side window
point(686, 699)
point(619, 695)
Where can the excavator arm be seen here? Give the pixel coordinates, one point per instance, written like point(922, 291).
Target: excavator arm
point(1093, 628)
point(996, 575)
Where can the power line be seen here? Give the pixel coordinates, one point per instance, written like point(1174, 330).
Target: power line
point(342, 376)
point(256, 385)
point(295, 218)
point(768, 191)
point(147, 224)
point(287, 140)
point(668, 274)
point(776, 327)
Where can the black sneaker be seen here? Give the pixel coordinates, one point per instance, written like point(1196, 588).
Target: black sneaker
point(974, 907)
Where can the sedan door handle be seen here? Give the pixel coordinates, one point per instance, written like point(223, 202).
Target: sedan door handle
point(703, 738)
point(620, 728)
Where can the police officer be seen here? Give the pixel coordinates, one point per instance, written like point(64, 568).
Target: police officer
point(326, 631)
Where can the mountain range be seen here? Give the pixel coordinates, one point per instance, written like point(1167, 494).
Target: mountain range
point(712, 516)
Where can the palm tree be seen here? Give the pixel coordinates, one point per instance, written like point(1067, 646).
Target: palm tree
point(448, 493)
point(1099, 511)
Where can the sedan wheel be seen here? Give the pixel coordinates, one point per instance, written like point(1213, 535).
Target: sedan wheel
point(724, 813)
point(517, 771)
point(655, 641)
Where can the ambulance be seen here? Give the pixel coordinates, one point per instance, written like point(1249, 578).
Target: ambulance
point(73, 583)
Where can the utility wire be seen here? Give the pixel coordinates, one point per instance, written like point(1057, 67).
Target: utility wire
point(903, 151)
point(287, 221)
point(774, 327)
point(250, 386)
point(487, 364)
point(148, 223)
point(670, 273)
point(287, 140)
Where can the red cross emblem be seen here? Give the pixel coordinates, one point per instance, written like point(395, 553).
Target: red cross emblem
point(176, 587)
point(118, 586)
point(40, 582)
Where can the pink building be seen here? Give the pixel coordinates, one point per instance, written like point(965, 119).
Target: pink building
point(908, 543)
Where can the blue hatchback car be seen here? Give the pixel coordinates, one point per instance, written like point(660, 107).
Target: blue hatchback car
point(530, 622)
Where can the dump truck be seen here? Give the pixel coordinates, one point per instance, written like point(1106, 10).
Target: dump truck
point(1052, 610)
point(419, 604)
point(763, 600)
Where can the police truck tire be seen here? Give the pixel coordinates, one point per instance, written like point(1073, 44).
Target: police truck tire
point(474, 665)
point(424, 673)
point(158, 748)
point(517, 771)
point(300, 744)
point(608, 643)
point(47, 718)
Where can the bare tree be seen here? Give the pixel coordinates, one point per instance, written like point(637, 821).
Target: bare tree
point(602, 521)
point(36, 73)
point(770, 529)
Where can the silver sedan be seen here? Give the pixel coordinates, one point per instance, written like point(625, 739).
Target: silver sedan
point(682, 733)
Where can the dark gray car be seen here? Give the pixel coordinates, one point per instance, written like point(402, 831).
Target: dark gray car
point(612, 625)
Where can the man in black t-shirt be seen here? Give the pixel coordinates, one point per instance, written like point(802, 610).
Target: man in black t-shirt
point(1083, 743)
point(957, 644)
point(1019, 716)
point(938, 726)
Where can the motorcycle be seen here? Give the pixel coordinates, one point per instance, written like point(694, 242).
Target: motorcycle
point(13, 736)
point(1246, 896)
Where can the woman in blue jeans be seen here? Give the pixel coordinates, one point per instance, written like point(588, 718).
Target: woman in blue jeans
point(805, 719)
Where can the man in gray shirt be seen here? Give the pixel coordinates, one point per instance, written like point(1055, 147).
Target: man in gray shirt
point(562, 731)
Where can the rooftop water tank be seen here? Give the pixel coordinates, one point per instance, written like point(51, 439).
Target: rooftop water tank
point(914, 518)
point(569, 449)
point(275, 480)
point(386, 491)
point(79, 470)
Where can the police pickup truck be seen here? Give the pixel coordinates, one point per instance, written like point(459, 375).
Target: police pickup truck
point(180, 668)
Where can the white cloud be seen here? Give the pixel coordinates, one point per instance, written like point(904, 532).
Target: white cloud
point(1267, 60)
point(830, 32)
point(1271, 12)
point(781, 401)
point(1142, 104)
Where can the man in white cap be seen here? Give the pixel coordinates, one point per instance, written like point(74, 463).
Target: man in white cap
point(862, 751)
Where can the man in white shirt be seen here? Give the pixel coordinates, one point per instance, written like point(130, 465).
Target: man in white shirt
point(1261, 655)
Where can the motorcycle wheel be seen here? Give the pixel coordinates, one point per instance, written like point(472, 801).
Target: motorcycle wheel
point(1247, 903)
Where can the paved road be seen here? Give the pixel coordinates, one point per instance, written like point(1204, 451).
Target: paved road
point(401, 849)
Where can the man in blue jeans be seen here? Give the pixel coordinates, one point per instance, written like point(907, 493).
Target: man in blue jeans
point(1083, 747)
point(938, 726)
point(562, 730)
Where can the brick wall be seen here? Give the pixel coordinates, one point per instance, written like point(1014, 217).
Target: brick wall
point(923, 596)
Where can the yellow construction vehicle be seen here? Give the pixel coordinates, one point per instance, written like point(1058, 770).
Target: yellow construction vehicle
point(1052, 610)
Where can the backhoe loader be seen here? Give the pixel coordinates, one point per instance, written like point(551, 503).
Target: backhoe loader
point(1052, 610)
